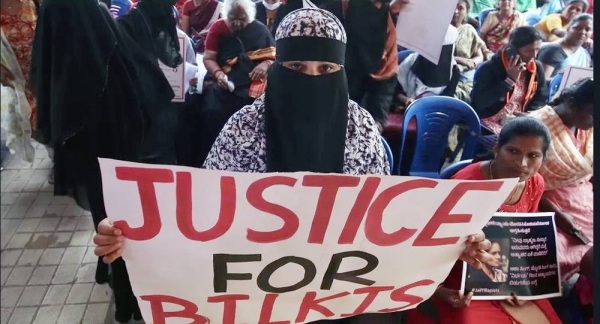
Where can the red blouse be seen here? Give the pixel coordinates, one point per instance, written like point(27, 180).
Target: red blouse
point(492, 311)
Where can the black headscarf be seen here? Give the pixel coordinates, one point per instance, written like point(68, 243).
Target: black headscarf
point(75, 44)
point(306, 117)
point(437, 75)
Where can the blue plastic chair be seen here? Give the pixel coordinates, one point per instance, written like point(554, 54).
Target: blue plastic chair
point(388, 152)
point(554, 85)
point(451, 170)
point(435, 116)
point(482, 15)
point(402, 55)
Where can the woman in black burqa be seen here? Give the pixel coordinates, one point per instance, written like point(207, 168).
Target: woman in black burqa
point(99, 91)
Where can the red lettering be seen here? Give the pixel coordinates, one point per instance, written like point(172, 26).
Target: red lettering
point(400, 295)
point(372, 293)
point(229, 305)
point(254, 195)
point(145, 178)
point(329, 184)
point(310, 303)
point(442, 214)
point(184, 209)
point(267, 309)
point(358, 211)
point(373, 229)
point(159, 315)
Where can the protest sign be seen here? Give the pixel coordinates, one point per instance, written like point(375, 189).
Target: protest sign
point(176, 76)
point(226, 247)
point(525, 259)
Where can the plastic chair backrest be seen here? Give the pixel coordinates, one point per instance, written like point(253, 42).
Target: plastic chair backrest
point(451, 170)
point(482, 15)
point(402, 55)
point(554, 85)
point(435, 117)
point(388, 152)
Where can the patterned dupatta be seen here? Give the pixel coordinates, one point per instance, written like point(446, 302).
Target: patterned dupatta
point(570, 158)
point(497, 34)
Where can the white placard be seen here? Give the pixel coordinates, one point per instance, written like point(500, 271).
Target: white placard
point(228, 247)
point(573, 74)
point(422, 26)
point(176, 76)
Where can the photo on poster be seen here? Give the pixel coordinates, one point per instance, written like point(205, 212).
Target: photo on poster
point(524, 259)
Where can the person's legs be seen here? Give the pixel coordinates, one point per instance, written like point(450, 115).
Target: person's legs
point(50, 151)
point(125, 302)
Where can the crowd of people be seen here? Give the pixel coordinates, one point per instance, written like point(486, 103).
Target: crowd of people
point(284, 88)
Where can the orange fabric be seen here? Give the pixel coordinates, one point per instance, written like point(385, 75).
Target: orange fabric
point(533, 84)
point(389, 61)
point(389, 64)
point(257, 88)
point(258, 55)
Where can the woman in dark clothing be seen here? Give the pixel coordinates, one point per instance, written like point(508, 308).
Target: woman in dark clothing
point(372, 53)
point(512, 82)
point(270, 13)
point(239, 51)
point(100, 93)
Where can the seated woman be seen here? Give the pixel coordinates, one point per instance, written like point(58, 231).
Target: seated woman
point(512, 82)
point(526, 140)
point(239, 51)
point(418, 77)
point(553, 26)
point(304, 122)
point(196, 18)
point(270, 13)
point(567, 172)
point(499, 24)
point(470, 50)
point(569, 50)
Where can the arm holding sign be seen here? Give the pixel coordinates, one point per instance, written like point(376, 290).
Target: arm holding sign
point(109, 241)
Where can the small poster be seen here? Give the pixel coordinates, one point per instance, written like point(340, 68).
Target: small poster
point(525, 261)
point(176, 76)
point(573, 74)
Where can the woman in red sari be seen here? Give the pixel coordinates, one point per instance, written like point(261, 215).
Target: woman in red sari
point(520, 152)
point(196, 18)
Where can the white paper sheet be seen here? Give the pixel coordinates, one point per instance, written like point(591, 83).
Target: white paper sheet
point(422, 25)
point(190, 73)
point(176, 76)
point(200, 72)
point(573, 74)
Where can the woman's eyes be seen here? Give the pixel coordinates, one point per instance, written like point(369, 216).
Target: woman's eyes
point(296, 66)
point(326, 68)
